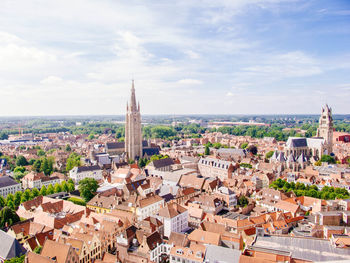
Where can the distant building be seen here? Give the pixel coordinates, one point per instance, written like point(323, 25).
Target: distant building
point(79, 173)
point(8, 186)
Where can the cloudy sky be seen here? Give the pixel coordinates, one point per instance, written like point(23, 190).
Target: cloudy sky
point(70, 57)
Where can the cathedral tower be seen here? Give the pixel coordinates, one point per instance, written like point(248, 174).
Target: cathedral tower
point(325, 128)
point(133, 134)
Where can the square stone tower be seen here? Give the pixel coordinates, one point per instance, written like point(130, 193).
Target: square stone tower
point(133, 133)
point(325, 128)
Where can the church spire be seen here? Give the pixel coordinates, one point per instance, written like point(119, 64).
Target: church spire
point(133, 98)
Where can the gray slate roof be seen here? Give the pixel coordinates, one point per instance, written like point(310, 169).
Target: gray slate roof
point(88, 168)
point(9, 246)
point(7, 181)
point(163, 162)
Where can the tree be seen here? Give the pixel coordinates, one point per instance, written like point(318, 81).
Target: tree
point(244, 145)
point(26, 196)
point(91, 136)
point(207, 150)
point(35, 192)
point(38, 249)
point(57, 188)
point(269, 154)
point(64, 186)
point(18, 198)
point(16, 259)
point(50, 190)
point(7, 215)
point(9, 198)
point(43, 190)
point(87, 188)
point(327, 159)
point(2, 201)
point(40, 152)
point(37, 165)
point(21, 161)
point(68, 148)
point(252, 149)
point(71, 187)
point(73, 161)
point(242, 201)
point(3, 135)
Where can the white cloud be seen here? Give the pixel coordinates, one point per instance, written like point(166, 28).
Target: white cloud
point(190, 81)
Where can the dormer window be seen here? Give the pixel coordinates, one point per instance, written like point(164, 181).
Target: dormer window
point(179, 251)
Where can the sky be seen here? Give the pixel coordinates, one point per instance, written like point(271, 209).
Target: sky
point(78, 57)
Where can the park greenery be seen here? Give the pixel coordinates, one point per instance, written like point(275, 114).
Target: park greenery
point(300, 189)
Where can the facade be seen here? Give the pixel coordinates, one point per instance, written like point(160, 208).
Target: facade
point(8, 186)
point(38, 180)
point(79, 173)
point(133, 134)
point(174, 218)
point(216, 168)
point(325, 128)
point(149, 206)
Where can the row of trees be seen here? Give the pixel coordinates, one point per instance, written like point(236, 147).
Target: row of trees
point(300, 189)
point(13, 201)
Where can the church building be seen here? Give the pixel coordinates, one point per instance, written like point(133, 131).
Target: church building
point(300, 150)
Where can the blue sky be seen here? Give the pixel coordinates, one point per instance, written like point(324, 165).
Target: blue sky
point(73, 57)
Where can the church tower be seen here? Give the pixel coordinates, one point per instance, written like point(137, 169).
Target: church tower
point(325, 128)
point(133, 134)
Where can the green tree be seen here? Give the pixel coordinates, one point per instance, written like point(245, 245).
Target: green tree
point(35, 192)
point(87, 188)
point(269, 154)
point(26, 196)
point(64, 186)
point(43, 190)
point(7, 215)
point(242, 201)
point(16, 259)
point(37, 165)
point(71, 187)
point(244, 145)
point(3, 135)
point(21, 161)
point(40, 152)
point(327, 159)
point(91, 136)
point(2, 202)
point(50, 190)
point(73, 161)
point(18, 198)
point(57, 188)
point(9, 198)
point(207, 150)
point(38, 249)
point(68, 148)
